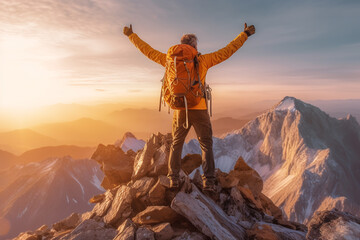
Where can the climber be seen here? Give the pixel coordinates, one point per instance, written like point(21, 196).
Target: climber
point(197, 116)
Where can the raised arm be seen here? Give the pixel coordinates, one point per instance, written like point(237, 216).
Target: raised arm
point(145, 48)
point(211, 59)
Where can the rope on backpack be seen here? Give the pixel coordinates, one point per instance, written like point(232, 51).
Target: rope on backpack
point(186, 124)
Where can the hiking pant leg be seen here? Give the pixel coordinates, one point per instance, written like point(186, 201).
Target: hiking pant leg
point(178, 134)
point(202, 125)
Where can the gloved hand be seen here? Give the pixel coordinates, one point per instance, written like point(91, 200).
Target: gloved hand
point(249, 30)
point(128, 31)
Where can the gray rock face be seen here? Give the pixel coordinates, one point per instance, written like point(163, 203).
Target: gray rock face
point(152, 159)
point(208, 217)
point(163, 231)
point(90, 229)
point(334, 225)
point(68, 223)
point(126, 231)
point(143, 233)
point(121, 206)
point(101, 208)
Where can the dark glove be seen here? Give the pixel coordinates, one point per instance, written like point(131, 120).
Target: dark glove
point(128, 31)
point(249, 30)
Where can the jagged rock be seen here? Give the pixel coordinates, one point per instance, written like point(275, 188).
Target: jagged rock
point(28, 236)
point(121, 206)
point(262, 232)
point(163, 231)
point(90, 229)
point(126, 231)
point(191, 236)
point(143, 158)
point(68, 223)
point(142, 186)
point(159, 162)
point(190, 162)
point(155, 214)
point(249, 197)
point(242, 175)
point(101, 208)
point(116, 165)
point(164, 180)
point(226, 181)
point(269, 207)
point(43, 230)
point(97, 198)
point(333, 224)
point(157, 194)
point(143, 233)
point(208, 217)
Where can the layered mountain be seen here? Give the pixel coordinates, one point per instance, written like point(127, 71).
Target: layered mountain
point(44, 192)
point(309, 161)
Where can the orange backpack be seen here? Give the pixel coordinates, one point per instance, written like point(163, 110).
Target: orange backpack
point(182, 87)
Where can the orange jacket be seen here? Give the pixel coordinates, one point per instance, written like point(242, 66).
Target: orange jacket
point(206, 61)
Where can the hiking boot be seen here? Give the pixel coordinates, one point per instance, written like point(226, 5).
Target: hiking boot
point(174, 183)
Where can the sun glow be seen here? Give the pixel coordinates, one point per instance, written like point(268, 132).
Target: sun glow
point(25, 81)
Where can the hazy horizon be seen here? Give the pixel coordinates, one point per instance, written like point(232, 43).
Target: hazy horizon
point(63, 52)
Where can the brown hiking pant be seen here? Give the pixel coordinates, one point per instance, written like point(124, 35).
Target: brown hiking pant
point(200, 120)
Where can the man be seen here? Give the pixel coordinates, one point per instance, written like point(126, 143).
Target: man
point(198, 116)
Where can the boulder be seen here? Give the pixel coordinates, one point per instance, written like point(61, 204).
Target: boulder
point(142, 186)
point(126, 231)
point(163, 231)
point(206, 215)
point(102, 207)
point(68, 223)
point(121, 206)
point(262, 232)
point(164, 180)
point(159, 162)
point(155, 214)
point(116, 165)
point(249, 197)
point(190, 162)
point(157, 194)
point(333, 224)
point(43, 230)
point(143, 158)
point(242, 175)
point(191, 236)
point(97, 198)
point(90, 229)
point(144, 233)
point(28, 236)
point(269, 207)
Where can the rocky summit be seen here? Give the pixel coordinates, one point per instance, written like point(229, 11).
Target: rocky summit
point(141, 205)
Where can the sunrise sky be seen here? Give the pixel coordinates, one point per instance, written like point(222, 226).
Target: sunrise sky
point(65, 51)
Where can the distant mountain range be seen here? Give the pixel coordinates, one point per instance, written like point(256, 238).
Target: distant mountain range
point(45, 192)
point(309, 161)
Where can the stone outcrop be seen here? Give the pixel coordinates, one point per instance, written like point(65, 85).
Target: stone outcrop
point(116, 165)
point(333, 224)
point(144, 207)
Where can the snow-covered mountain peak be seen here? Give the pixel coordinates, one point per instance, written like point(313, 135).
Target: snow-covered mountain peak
point(129, 141)
point(287, 104)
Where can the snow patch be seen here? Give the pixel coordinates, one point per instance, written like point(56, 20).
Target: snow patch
point(82, 188)
point(96, 182)
point(74, 200)
point(288, 104)
point(22, 213)
point(67, 198)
